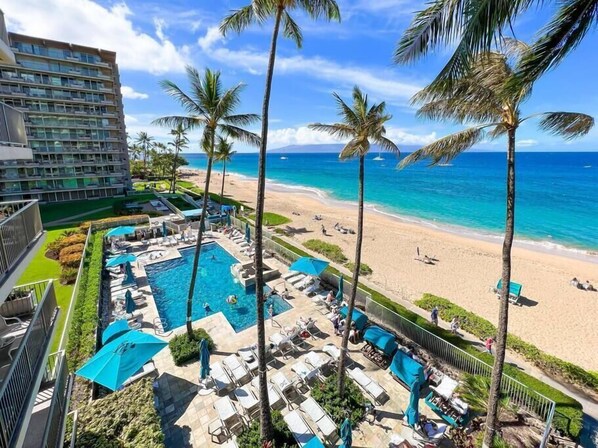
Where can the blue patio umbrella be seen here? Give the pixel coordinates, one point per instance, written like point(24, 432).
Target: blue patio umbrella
point(129, 277)
point(121, 358)
point(164, 229)
point(339, 293)
point(120, 231)
point(309, 266)
point(412, 411)
point(346, 434)
point(130, 305)
point(204, 359)
point(247, 232)
point(120, 259)
point(115, 330)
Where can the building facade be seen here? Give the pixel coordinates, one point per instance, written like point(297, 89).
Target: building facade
point(73, 114)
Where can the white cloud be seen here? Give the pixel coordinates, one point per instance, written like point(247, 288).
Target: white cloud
point(302, 135)
point(211, 37)
point(87, 23)
point(526, 142)
point(131, 94)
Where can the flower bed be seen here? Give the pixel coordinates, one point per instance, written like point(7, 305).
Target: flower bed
point(352, 405)
point(250, 437)
point(184, 349)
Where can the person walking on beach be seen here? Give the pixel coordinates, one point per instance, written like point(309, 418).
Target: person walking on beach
point(455, 325)
point(434, 316)
point(488, 344)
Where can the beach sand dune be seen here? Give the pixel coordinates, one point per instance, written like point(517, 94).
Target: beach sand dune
point(556, 317)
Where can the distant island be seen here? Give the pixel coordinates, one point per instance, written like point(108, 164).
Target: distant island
point(328, 148)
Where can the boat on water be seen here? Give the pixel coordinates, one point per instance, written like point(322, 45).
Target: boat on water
point(284, 158)
point(379, 157)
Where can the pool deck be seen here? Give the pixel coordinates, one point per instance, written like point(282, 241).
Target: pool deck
point(186, 413)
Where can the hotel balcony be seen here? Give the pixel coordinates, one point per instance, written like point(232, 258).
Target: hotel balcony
point(30, 314)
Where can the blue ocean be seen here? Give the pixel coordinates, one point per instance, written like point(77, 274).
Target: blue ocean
point(557, 200)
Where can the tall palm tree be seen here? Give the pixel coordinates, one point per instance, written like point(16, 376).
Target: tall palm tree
point(360, 123)
point(145, 142)
point(211, 109)
point(179, 142)
point(484, 95)
point(134, 151)
point(475, 25)
point(258, 11)
point(224, 154)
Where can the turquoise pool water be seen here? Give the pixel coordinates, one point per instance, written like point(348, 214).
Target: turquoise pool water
point(170, 279)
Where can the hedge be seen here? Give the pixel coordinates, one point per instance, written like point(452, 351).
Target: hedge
point(81, 341)
point(330, 251)
point(569, 413)
point(73, 249)
point(125, 419)
point(353, 404)
point(70, 260)
point(251, 437)
point(364, 269)
point(184, 349)
point(482, 328)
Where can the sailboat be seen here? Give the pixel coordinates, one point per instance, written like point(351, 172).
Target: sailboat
point(379, 157)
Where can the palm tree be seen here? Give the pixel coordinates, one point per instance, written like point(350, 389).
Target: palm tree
point(145, 142)
point(134, 151)
point(258, 11)
point(476, 24)
point(484, 95)
point(224, 154)
point(179, 142)
point(360, 123)
point(211, 109)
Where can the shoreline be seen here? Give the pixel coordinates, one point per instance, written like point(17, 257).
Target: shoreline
point(554, 314)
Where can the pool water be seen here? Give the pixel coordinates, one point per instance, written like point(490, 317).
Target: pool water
point(170, 280)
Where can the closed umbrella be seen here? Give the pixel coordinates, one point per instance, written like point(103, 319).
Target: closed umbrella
point(247, 232)
point(164, 229)
point(120, 231)
point(346, 434)
point(202, 224)
point(412, 411)
point(339, 293)
point(115, 330)
point(129, 277)
point(309, 266)
point(120, 259)
point(130, 305)
point(228, 222)
point(121, 358)
point(204, 359)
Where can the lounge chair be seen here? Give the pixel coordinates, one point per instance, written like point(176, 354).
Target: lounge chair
point(446, 388)
point(228, 414)
point(148, 369)
point(12, 326)
point(432, 437)
point(289, 274)
point(317, 361)
point(247, 400)
point(284, 342)
point(249, 359)
point(238, 371)
point(322, 420)
point(296, 279)
point(335, 353)
point(370, 386)
point(301, 432)
point(285, 387)
point(222, 380)
point(313, 288)
point(311, 328)
point(304, 373)
point(307, 281)
point(276, 401)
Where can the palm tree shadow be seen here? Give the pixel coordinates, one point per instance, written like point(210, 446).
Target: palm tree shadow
point(174, 395)
point(291, 231)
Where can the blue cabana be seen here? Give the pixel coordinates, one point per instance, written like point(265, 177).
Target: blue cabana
point(358, 317)
point(407, 370)
point(514, 291)
point(309, 266)
point(227, 208)
point(228, 221)
point(346, 434)
point(120, 231)
point(382, 339)
point(412, 411)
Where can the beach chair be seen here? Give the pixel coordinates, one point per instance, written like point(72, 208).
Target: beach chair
point(221, 379)
point(313, 288)
point(306, 375)
point(148, 369)
point(317, 361)
point(335, 353)
point(311, 328)
point(370, 386)
point(283, 343)
point(296, 279)
point(247, 400)
point(307, 281)
point(228, 414)
point(301, 432)
point(289, 274)
point(12, 326)
point(248, 358)
point(285, 387)
point(446, 388)
point(276, 401)
point(514, 292)
point(238, 371)
point(325, 424)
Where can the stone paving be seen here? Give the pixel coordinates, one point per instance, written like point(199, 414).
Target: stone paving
point(186, 413)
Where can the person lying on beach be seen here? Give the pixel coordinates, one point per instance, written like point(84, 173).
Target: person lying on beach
point(317, 217)
point(575, 282)
point(588, 286)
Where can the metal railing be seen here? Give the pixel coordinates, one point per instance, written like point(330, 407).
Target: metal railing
point(56, 372)
point(15, 389)
point(20, 226)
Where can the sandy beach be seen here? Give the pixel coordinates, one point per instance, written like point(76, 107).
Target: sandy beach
point(555, 316)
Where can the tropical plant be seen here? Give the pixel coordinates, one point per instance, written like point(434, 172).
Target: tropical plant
point(361, 124)
point(224, 154)
point(485, 95)
point(180, 141)
point(474, 390)
point(144, 141)
point(134, 152)
point(211, 109)
point(258, 11)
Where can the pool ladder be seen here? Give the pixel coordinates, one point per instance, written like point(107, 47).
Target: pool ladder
point(159, 328)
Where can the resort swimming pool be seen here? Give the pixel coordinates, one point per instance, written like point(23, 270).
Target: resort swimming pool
point(169, 281)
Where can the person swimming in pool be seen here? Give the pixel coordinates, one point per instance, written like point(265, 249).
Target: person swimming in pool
point(206, 308)
point(232, 299)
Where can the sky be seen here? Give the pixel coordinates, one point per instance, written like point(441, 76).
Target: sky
point(155, 41)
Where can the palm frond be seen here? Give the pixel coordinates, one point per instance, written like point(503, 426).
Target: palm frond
point(241, 119)
point(447, 148)
point(354, 148)
point(188, 122)
point(339, 130)
point(171, 89)
point(348, 115)
point(387, 145)
point(239, 20)
point(568, 124)
point(226, 103)
point(240, 134)
point(291, 30)
point(321, 8)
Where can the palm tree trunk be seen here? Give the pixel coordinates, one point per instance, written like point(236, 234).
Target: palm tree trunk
point(145, 161)
point(345, 342)
point(222, 188)
point(198, 244)
point(267, 431)
point(492, 421)
point(173, 182)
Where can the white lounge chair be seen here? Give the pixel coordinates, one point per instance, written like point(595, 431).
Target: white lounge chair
point(301, 432)
point(228, 414)
point(289, 274)
point(148, 369)
point(250, 360)
point(313, 288)
point(296, 279)
point(221, 379)
point(310, 327)
point(367, 384)
point(276, 401)
point(316, 360)
point(284, 386)
point(307, 281)
point(446, 388)
point(305, 374)
point(247, 400)
point(238, 371)
point(322, 420)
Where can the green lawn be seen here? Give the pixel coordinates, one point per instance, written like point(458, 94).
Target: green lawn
point(272, 219)
point(181, 204)
point(160, 185)
point(42, 268)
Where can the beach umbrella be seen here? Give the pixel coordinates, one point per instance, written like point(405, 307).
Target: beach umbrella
point(164, 229)
point(346, 434)
point(247, 232)
point(204, 359)
point(115, 330)
point(339, 293)
point(120, 259)
point(129, 277)
point(309, 266)
point(228, 222)
point(121, 358)
point(130, 305)
point(412, 411)
point(120, 231)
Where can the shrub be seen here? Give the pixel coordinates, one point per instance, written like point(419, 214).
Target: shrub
point(330, 251)
point(78, 238)
point(364, 269)
point(251, 437)
point(352, 405)
point(272, 219)
point(184, 349)
point(68, 276)
point(70, 260)
point(74, 249)
point(125, 419)
point(105, 222)
point(69, 232)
